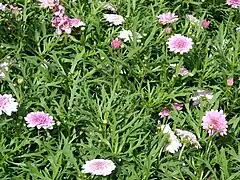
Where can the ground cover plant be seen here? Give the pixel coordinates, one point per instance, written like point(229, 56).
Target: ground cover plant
point(124, 89)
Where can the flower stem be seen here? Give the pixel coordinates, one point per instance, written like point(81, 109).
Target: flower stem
point(180, 154)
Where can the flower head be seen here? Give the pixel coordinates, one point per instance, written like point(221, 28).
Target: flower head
point(110, 7)
point(114, 19)
point(7, 104)
point(174, 144)
point(115, 44)
point(192, 19)
point(2, 7)
point(39, 120)
point(127, 35)
point(3, 69)
point(48, 3)
point(179, 44)
point(206, 94)
point(205, 23)
point(100, 167)
point(58, 10)
point(234, 3)
point(165, 112)
point(168, 30)
point(230, 81)
point(184, 72)
point(177, 106)
point(167, 18)
point(214, 121)
point(188, 137)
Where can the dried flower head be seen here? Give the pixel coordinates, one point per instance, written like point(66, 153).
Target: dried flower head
point(201, 94)
point(188, 137)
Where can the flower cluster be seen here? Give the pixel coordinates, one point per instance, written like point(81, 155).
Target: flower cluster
point(60, 21)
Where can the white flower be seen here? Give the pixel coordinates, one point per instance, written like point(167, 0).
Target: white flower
point(189, 137)
point(238, 29)
point(199, 94)
point(2, 6)
point(192, 19)
point(109, 7)
point(127, 35)
point(7, 104)
point(114, 19)
point(100, 167)
point(174, 144)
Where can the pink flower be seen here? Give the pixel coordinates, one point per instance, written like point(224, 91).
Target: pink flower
point(115, 44)
point(7, 104)
point(114, 19)
point(234, 3)
point(205, 23)
point(167, 18)
point(168, 30)
point(179, 44)
point(165, 112)
point(58, 10)
point(39, 120)
point(100, 167)
point(215, 121)
point(230, 81)
point(75, 22)
point(177, 106)
point(48, 3)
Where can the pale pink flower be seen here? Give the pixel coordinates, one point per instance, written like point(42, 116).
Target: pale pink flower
point(177, 106)
point(114, 19)
point(99, 167)
point(205, 23)
point(165, 112)
point(167, 18)
point(184, 71)
point(39, 120)
point(179, 44)
point(58, 10)
point(234, 3)
point(188, 137)
point(75, 22)
point(214, 121)
point(7, 104)
point(48, 3)
point(230, 81)
point(115, 44)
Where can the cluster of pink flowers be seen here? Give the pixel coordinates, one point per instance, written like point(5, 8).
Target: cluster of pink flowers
point(166, 110)
point(60, 21)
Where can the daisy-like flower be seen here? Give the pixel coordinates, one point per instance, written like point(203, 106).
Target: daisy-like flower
point(99, 167)
point(167, 18)
point(188, 137)
point(110, 7)
point(234, 3)
point(215, 121)
point(127, 35)
point(174, 144)
point(7, 104)
point(206, 94)
point(114, 19)
point(179, 44)
point(185, 72)
point(39, 120)
point(165, 112)
point(48, 3)
point(192, 19)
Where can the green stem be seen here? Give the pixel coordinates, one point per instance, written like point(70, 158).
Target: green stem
point(181, 152)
